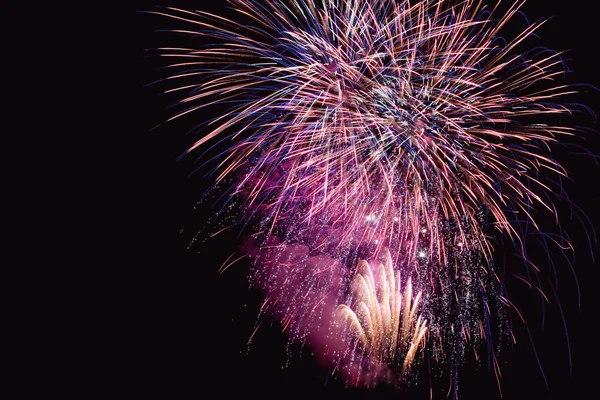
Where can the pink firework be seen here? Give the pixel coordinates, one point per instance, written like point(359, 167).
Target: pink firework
point(363, 129)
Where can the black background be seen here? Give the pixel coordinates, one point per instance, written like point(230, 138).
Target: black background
point(184, 327)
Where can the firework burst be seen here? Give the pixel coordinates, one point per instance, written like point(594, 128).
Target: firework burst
point(355, 126)
point(390, 114)
point(384, 323)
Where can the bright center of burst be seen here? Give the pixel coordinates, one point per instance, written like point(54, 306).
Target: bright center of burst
point(422, 254)
point(371, 218)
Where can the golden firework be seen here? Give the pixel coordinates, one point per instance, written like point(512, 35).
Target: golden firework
point(381, 317)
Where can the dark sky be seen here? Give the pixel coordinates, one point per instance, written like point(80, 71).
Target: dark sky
point(191, 324)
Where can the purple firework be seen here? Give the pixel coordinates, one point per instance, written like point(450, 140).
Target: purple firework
point(405, 133)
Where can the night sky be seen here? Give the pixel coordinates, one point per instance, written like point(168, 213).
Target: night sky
point(190, 325)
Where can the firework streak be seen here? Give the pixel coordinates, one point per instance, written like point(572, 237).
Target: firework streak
point(378, 148)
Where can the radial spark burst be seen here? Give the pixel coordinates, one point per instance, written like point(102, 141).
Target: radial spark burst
point(385, 322)
point(394, 115)
point(347, 127)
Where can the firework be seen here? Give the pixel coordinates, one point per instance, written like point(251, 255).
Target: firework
point(388, 114)
point(355, 126)
point(381, 318)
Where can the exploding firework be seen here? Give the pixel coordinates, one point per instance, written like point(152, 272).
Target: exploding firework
point(355, 126)
point(382, 320)
point(393, 115)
